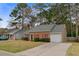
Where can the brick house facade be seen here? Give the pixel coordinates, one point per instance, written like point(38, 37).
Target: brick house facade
point(56, 33)
point(40, 35)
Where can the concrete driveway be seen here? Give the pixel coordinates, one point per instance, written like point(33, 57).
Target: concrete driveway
point(48, 49)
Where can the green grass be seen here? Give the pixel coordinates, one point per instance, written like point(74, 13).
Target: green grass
point(17, 45)
point(73, 50)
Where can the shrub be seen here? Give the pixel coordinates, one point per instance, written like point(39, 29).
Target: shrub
point(36, 40)
point(45, 39)
point(4, 39)
point(25, 38)
point(41, 40)
point(69, 34)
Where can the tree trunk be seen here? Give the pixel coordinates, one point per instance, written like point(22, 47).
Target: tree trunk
point(70, 20)
point(76, 24)
point(76, 31)
point(23, 23)
point(76, 27)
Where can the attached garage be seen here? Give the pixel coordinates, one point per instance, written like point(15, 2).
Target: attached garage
point(56, 33)
point(56, 38)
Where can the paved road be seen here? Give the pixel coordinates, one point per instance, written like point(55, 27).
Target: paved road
point(49, 49)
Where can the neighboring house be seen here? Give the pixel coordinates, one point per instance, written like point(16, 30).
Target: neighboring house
point(16, 34)
point(3, 34)
point(56, 33)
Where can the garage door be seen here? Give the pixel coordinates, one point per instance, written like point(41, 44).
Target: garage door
point(56, 38)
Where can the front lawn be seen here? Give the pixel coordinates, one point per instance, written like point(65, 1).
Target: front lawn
point(73, 50)
point(17, 45)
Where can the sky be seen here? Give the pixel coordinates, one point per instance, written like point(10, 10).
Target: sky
point(5, 10)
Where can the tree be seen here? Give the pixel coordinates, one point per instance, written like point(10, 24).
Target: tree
point(14, 23)
point(76, 19)
point(52, 12)
point(20, 12)
point(41, 8)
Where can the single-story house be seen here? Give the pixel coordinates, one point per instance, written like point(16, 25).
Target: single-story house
point(56, 33)
point(3, 34)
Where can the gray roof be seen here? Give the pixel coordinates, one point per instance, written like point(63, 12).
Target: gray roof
point(48, 28)
point(12, 31)
point(42, 28)
point(58, 28)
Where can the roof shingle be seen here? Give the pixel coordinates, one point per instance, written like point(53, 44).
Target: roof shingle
point(48, 28)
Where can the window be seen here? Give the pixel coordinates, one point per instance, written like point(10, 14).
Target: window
point(42, 35)
point(46, 35)
point(37, 36)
